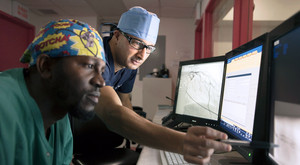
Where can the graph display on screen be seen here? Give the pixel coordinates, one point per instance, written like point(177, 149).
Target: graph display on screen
point(240, 93)
point(199, 90)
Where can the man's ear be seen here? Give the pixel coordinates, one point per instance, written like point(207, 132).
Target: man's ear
point(117, 34)
point(43, 65)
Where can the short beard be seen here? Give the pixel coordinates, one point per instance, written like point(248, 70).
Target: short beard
point(82, 114)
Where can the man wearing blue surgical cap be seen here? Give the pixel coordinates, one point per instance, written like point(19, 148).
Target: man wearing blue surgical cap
point(128, 48)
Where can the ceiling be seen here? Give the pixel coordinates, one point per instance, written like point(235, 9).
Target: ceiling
point(110, 8)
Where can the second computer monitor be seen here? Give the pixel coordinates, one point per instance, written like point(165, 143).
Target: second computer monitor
point(198, 91)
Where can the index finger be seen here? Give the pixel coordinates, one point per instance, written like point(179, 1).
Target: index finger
point(207, 132)
point(216, 145)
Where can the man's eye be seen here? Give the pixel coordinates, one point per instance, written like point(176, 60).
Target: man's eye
point(90, 66)
point(141, 45)
point(137, 43)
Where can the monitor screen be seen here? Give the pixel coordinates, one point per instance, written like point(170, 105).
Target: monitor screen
point(243, 106)
point(240, 93)
point(285, 92)
point(198, 90)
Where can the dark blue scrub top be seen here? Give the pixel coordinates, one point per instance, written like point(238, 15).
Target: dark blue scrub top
point(123, 80)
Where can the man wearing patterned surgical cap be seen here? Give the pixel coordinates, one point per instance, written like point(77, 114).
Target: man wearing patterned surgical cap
point(128, 48)
point(66, 61)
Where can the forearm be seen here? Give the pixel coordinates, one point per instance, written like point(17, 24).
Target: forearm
point(125, 99)
point(147, 133)
point(127, 123)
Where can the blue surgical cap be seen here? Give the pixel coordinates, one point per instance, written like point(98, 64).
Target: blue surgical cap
point(140, 23)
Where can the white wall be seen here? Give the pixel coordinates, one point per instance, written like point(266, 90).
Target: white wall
point(274, 10)
point(180, 42)
point(222, 37)
point(137, 92)
point(5, 6)
point(39, 21)
point(270, 13)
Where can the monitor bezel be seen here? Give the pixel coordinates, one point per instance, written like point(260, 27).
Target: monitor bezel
point(261, 126)
point(281, 30)
point(191, 119)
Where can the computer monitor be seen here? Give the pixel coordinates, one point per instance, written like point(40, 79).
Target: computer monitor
point(198, 91)
point(285, 92)
point(244, 93)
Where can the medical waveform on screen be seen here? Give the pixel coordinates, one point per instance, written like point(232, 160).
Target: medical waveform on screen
point(202, 94)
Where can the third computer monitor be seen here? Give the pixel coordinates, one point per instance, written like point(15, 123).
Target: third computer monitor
point(243, 102)
point(285, 92)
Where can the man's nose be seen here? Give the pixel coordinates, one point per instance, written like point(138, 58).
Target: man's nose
point(142, 53)
point(98, 81)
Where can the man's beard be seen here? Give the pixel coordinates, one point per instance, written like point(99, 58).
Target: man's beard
point(82, 114)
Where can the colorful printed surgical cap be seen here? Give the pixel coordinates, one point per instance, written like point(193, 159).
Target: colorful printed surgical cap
point(140, 23)
point(65, 37)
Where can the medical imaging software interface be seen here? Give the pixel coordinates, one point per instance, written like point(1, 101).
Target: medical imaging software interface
point(240, 91)
point(200, 89)
point(285, 90)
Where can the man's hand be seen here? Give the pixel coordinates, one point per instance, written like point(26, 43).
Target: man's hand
point(200, 143)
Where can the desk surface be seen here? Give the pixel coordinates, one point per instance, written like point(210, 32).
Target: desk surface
point(150, 156)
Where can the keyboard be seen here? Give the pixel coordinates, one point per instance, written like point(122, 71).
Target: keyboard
point(170, 158)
